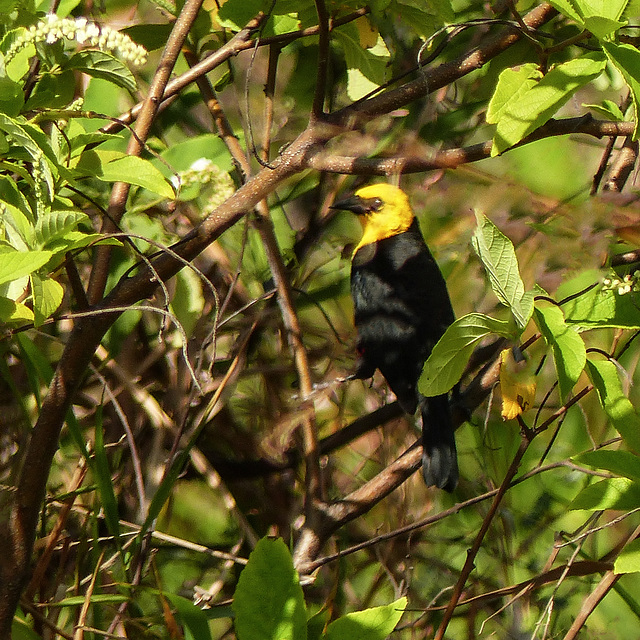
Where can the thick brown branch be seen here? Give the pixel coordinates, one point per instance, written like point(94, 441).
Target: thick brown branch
point(147, 115)
point(452, 158)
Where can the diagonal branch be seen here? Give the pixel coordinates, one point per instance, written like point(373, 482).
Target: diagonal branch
point(148, 112)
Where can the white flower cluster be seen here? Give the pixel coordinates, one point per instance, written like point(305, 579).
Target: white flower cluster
point(54, 28)
point(629, 283)
point(206, 173)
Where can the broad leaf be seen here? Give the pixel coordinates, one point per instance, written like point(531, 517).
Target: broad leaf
point(100, 64)
point(11, 311)
point(449, 357)
point(613, 493)
point(56, 224)
point(499, 259)
point(536, 105)
point(622, 463)
point(626, 58)
point(620, 411)
point(16, 264)
point(268, 602)
point(569, 351)
point(111, 166)
point(376, 623)
point(628, 561)
point(366, 65)
point(47, 295)
point(598, 306)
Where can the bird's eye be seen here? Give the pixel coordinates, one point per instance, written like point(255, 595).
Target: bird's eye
point(376, 204)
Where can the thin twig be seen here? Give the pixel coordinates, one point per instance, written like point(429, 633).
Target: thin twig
point(468, 567)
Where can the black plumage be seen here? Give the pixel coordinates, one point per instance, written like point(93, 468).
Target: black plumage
point(402, 308)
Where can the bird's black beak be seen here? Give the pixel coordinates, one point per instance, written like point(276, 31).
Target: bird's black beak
point(354, 204)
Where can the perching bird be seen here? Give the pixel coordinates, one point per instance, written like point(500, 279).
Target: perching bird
point(402, 308)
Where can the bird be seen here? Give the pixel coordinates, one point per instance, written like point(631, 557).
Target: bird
point(401, 309)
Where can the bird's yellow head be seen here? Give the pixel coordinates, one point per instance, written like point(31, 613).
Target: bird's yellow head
point(385, 211)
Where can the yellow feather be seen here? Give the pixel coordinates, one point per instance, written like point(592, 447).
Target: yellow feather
point(393, 217)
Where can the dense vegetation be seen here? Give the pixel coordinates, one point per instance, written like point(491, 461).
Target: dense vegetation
point(176, 321)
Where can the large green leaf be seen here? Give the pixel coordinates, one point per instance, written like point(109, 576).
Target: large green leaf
point(366, 65)
point(100, 64)
point(613, 493)
point(268, 602)
point(111, 166)
point(376, 623)
point(592, 305)
point(622, 463)
point(449, 357)
point(234, 14)
point(47, 296)
point(512, 85)
point(629, 559)
point(620, 411)
point(16, 264)
point(569, 351)
point(626, 58)
point(56, 224)
point(499, 259)
point(535, 105)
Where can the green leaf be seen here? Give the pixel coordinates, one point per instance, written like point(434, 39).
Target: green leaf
point(595, 306)
point(111, 166)
point(608, 109)
point(628, 561)
point(613, 493)
point(188, 301)
point(11, 311)
point(99, 64)
point(611, 9)
point(268, 602)
point(499, 259)
point(11, 96)
point(102, 476)
point(449, 357)
point(150, 36)
point(234, 14)
point(602, 27)
point(622, 463)
point(366, 66)
point(371, 624)
point(569, 352)
point(56, 224)
point(52, 91)
point(620, 411)
point(536, 105)
point(626, 58)
point(16, 264)
point(566, 7)
point(193, 618)
point(47, 296)
point(21, 134)
point(512, 85)
point(182, 155)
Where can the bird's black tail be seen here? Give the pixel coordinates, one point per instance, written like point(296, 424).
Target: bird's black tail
point(439, 457)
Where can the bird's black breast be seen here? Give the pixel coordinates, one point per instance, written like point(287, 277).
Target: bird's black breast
point(401, 306)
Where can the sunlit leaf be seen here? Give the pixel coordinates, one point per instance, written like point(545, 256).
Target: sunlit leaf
point(605, 378)
point(449, 357)
point(569, 351)
point(499, 260)
point(376, 623)
point(268, 601)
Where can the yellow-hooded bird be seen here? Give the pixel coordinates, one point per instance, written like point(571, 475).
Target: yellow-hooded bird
point(402, 308)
